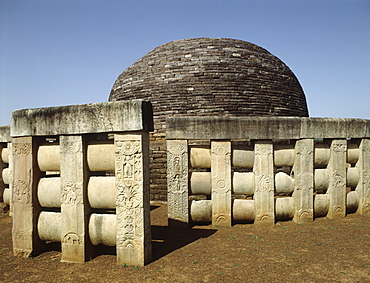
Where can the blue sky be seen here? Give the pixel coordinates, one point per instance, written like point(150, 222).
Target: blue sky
point(71, 51)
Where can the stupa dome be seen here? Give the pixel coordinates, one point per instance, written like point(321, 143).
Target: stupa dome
point(212, 76)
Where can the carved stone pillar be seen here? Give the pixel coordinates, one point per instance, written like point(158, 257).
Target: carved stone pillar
point(363, 187)
point(2, 166)
point(25, 207)
point(132, 199)
point(303, 181)
point(264, 182)
point(221, 183)
point(76, 246)
point(178, 183)
point(337, 179)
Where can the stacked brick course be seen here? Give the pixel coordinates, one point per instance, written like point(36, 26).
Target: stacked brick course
point(207, 77)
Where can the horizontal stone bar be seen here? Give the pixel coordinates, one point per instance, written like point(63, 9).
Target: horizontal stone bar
point(352, 202)
point(243, 211)
point(49, 226)
point(321, 205)
point(7, 196)
point(283, 155)
point(103, 229)
point(321, 180)
point(6, 176)
point(48, 158)
point(353, 177)
point(101, 192)
point(200, 183)
point(353, 152)
point(5, 155)
point(265, 128)
point(322, 154)
point(200, 157)
point(101, 157)
point(284, 208)
point(284, 184)
point(117, 116)
point(5, 134)
point(243, 158)
point(201, 211)
point(243, 183)
point(49, 192)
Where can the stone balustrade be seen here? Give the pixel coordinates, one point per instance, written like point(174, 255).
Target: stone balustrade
point(81, 178)
point(5, 166)
point(266, 169)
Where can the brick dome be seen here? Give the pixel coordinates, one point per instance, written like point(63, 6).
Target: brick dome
point(212, 76)
point(207, 76)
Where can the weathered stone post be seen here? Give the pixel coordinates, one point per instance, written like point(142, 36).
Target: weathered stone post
point(264, 180)
point(25, 209)
point(221, 183)
point(132, 198)
point(363, 188)
point(76, 246)
point(178, 183)
point(303, 181)
point(337, 179)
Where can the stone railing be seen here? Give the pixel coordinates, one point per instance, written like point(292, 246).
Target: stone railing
point(5, 166)
point(266, 169)
point(81, 178)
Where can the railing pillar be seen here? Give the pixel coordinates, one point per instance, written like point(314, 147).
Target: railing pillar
point(337, 179)
point(25, 208)
point(76, 246)
point(132, 198)
point(264, 182)
point(363, 188)
point(178, 183)
point(303, 181)
point(221, 183)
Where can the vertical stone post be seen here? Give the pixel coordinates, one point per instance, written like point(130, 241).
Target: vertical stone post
point(264, 181)
point(2, 166)
point(25, 208)
point(337, 179)
point(132, 198)
point(363, 187)
point(303, 181)
point(76, 246)
point(178, 183)
point(221, 183)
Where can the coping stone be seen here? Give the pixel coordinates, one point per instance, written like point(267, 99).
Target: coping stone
point(5, 134)
point(265, 128)
point(117, 116)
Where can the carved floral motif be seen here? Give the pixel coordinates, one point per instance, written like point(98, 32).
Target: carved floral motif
point(264, 183)
point(21, 192)
point(338, 180)
point(129, 201)
point(340, 147)
point(22, 149)
point(263, 150)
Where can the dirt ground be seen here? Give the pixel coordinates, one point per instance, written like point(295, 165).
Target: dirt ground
point(322, 251)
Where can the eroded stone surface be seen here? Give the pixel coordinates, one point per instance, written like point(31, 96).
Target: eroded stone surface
point(132, 199)
point(304, 181)
point(221, 183)
point(177, 182)
point(337, 178)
